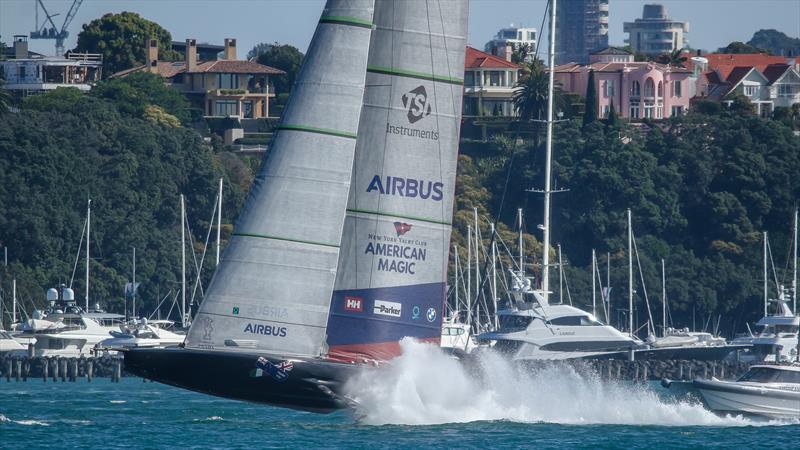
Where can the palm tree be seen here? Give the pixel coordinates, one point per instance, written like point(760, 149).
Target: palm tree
point(673, 58)
point(520, 55)
point(5, 98)
point(530, 96)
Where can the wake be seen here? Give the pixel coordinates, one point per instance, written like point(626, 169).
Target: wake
point(424, 387)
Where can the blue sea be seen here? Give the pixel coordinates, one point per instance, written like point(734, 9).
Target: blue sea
point(421, 402)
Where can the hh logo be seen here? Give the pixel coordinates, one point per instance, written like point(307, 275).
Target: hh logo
point(416, 104)
point(354, 304)
point(402, 228)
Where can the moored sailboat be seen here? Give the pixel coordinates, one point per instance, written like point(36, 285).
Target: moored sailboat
point(346, 230)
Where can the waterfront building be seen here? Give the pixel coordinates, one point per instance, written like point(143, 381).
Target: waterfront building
point(637, 89)
point(776, 85)
point(488, 84)
point(509, 40)
point(222, 87)
point(27, 73)
point(581, 27)
point(655, 33)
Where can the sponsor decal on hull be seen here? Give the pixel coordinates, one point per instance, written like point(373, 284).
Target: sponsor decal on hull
point(384, 308)
point(353, 304)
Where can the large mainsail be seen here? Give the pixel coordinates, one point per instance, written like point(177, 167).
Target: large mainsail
point(272, 289)
point(392, 265)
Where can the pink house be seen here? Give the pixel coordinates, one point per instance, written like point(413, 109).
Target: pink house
point(637, 89)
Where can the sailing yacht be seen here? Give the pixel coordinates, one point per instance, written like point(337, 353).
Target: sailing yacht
point(346, 230)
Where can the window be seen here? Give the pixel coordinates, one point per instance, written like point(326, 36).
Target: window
point(610, 88)
point(531, 35)
point(751, 91)
point(635, 89)
point(508, 323)
point(649, 88)
point(21, 72)
point(575, 321)
point(494, 78)
point(469, 79)
point(634, 112)
point(660, 89)
point(226, 108)
point(785, 89)
point(606, 110)
point(676, 111)
point(770, 375)
point(227, 81)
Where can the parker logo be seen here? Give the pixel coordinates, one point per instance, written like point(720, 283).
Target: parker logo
point(402, 228)
point(384, 308)
point(416, 104)
point(353, 304)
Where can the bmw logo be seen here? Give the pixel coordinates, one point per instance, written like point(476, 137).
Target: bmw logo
point(431, 315)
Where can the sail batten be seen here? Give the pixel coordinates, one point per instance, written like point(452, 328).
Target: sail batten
point(274, 282)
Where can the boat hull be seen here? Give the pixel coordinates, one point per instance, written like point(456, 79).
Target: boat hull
point(729, 397)
point(309, 385)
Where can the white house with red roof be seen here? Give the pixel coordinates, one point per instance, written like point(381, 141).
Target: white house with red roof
point(488, 84)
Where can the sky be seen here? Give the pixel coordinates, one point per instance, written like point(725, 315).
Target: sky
point(713, 23)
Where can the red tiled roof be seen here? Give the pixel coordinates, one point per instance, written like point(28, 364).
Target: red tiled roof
point(616, 66)
point(233, 66)
point(477, 59)
point(726, 62)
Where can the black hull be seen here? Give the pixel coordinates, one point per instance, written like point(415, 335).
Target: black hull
point(311, 385)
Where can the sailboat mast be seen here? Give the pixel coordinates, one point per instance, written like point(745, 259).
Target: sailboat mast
point(494, 279)
point(521, 267)
point(219, 219)
point(88, 235)
point(630, 275)
point(183, 263)
point(794, 266)
point(477, 260)
point(13, 301)
point(455, 281)
point(548, 155)
point(663, 299)
point(766, 281)
point(133, 285)
point(607, 294)
point(560, 277)
point(469, 275)
point(594, 285)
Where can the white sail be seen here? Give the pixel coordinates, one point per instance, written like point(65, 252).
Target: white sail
point(272, 289)
point(392, 266)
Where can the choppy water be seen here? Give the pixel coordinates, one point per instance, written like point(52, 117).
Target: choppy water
point(424, 400)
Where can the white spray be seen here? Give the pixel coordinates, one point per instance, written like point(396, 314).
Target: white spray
point(424, 386)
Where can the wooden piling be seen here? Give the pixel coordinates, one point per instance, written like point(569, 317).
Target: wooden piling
point(644, 377)
point(8, 370)
point(45, 366)
point(17, 369)
point(89, 369)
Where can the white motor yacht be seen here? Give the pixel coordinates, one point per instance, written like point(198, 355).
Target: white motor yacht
point(456, 336)
point(764, 390)
point(532, 329)
point(776, 341)
point(8, 344)
point(141, 334)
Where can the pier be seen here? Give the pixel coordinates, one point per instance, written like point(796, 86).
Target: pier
point(23, 368)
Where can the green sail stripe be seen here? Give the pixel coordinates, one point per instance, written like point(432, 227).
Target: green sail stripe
point(376, 213)
point(280, 238)
point(346, 20)
point(327, 131)
point(414, 74)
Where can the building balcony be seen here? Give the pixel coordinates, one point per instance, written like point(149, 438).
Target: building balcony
point(239, 93)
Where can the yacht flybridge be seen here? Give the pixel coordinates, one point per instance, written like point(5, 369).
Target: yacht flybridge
point(341, 248)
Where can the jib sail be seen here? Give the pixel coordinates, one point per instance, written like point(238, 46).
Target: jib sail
point(392, 265)
point(272, 289)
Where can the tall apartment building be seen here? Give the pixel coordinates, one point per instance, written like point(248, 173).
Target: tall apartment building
point(655, 33)
point(581, 28)
point(511, 39)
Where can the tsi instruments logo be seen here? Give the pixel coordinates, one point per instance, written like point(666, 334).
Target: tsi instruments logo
point(384, 308)
point(416, 104)
point(353, 304)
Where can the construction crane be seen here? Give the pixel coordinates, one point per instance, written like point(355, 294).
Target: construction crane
point(53, 32)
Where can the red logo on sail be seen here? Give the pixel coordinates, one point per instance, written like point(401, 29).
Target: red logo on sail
point(354, 304)
point(402, 228)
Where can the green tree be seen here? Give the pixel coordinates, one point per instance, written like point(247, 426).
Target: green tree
point(122, 40)
point(674, 58)
point(612, 120)
point(284, 57)
point(590, 114)
point(5, 98)
point(740, 47)
point(521, 54)
point(133, 94)
point(530, 96)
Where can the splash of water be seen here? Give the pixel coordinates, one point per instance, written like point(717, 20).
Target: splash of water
point(425, 386)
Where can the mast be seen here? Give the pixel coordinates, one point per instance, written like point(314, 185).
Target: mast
point(469, 275)
point(219, 219)
point(794, 266)
point(630, 275)
point(458, 303)
point(766, 284)
point(548, 156)
point(560, 277)
point(13, 301)
point(133, 285)
point(594, 284)
point(183, 262)
point(663, 299)
point(521, 267)
point(88, 235)
point(607, 296)
point(494, 279)
point(477, 260)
